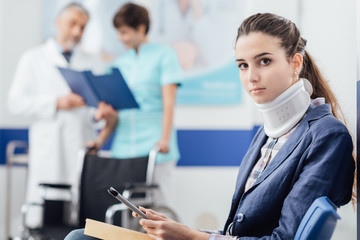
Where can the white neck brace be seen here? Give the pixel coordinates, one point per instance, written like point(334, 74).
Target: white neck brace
point(285, 111)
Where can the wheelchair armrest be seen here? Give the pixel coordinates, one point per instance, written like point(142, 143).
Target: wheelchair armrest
point(139, 186)
point(131, 188)
point(120, 207)
point(54, 185)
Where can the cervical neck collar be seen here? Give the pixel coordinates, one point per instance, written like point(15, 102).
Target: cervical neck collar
point(285, 111)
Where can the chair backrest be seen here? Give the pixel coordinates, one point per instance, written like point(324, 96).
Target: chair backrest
point(99, 174)
point(319, 221)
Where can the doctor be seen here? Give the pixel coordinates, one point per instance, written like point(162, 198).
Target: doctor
point(60, 121)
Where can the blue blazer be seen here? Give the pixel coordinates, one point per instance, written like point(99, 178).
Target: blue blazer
point(315, 161)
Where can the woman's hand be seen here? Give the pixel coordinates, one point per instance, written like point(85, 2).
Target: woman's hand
point(163, 145)
point(160, 227)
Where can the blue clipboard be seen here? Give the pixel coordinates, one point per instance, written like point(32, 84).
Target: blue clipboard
point(110, 88)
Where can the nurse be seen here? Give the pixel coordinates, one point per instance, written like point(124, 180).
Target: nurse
point(153, 73)
point(61, 123)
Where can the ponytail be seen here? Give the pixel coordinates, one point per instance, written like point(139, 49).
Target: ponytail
point(321, 87)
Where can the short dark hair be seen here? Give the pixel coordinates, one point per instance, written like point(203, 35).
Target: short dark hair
point(132, 15)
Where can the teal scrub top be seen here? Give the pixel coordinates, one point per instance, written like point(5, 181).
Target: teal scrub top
point(146, 72)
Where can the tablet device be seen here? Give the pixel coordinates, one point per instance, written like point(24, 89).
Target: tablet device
point(129, 204)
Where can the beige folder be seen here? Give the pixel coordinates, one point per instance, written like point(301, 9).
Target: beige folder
point(110, 232)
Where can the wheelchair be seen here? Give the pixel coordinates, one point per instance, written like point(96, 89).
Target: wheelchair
point(88, 196)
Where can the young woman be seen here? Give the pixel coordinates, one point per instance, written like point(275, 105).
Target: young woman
point(301, 153)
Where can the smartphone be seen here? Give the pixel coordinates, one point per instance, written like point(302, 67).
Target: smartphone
point(129, 204)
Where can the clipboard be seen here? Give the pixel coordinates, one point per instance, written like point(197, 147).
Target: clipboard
point(110, 88)
point(110, 232)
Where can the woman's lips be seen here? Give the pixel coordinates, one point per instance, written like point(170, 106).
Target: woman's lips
point(257, 90)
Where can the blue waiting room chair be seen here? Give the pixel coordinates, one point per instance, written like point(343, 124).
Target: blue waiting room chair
point(319, 221)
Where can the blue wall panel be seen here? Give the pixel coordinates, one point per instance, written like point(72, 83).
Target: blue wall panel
point(7, 135)
point(213, 147)
point(197, 147)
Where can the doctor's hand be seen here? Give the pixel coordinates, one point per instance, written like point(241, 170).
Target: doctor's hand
point(161, 227)
point(105, 111)
point(69, 102)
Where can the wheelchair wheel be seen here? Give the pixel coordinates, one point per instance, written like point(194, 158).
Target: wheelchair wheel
point(167, 212)
point(134, 222)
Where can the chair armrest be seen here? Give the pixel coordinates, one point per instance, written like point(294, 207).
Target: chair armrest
point(54, 185)
point(120, 207)
point(140, 187)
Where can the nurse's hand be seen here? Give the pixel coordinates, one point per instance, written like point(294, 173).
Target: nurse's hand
point(163, 145)
point(92, 147)
point(69, 102)
point(105, 111)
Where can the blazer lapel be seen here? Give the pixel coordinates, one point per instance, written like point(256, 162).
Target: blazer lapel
point(294, 140)
point(246, 166)
point(248, 163)
point(284, 152)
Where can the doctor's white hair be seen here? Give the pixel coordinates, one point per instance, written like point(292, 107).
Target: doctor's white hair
point(75, 6)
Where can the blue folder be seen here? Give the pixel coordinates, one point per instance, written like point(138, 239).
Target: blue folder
point(110, 88)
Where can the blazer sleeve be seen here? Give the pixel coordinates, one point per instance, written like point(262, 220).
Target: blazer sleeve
point(326, 169)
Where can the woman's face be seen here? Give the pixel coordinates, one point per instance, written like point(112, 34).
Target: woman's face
point(265, 71)
point(131, 37)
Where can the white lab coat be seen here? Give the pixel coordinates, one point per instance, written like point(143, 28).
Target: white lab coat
point(55, 137)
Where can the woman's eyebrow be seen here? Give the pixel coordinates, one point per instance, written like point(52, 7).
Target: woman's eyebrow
point(256, 56)
point(262, 54)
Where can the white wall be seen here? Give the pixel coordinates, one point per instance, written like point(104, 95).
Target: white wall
point(332, 41)
point(1, 51)
point(358, 37)
point(329, 27)
point(2, 87)
point(20, 29)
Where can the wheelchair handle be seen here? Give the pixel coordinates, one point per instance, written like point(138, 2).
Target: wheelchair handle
point(151, 164)
point(156, 148)
point(153, 152)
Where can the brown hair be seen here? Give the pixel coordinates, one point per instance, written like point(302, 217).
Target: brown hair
point(289, 35)
point(132, 15)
